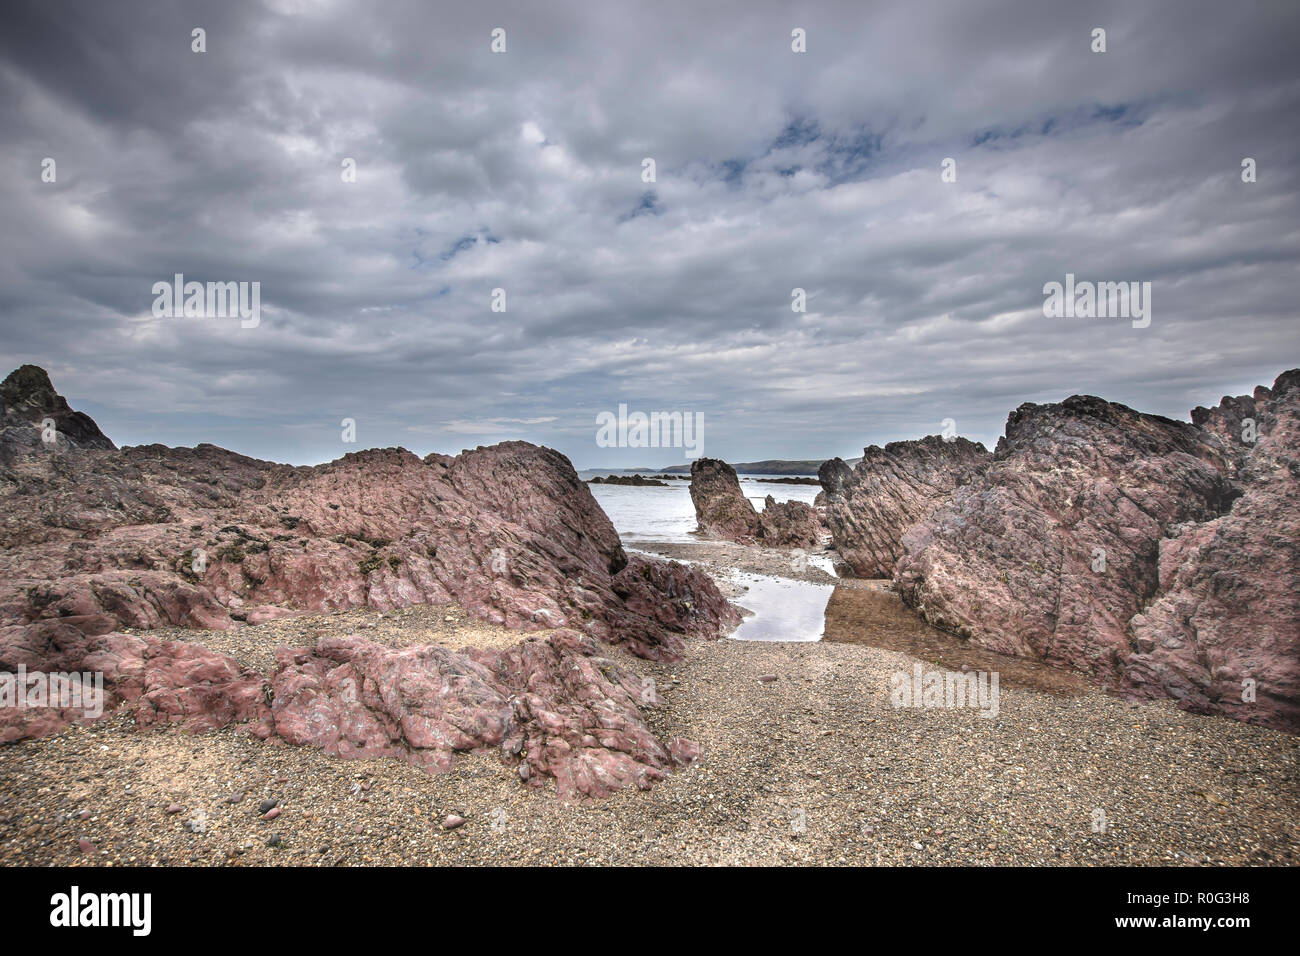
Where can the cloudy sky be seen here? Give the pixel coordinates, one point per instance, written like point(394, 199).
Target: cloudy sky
point(523, 170)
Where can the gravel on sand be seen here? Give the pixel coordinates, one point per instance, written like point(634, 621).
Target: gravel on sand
point(814, 767)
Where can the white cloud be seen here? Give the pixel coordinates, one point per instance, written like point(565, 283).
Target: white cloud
point(523, 171)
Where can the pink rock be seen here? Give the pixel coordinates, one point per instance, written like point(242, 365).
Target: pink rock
point(161, 682)
point(99, 539)
point(1153, 555)
point(871, 505)
point(1228, 610)
point(452, 822)
point(721, 508)
point(683, 751)
point(788, 524)
point(723, 511)
point(573, 712)
point(110, 540)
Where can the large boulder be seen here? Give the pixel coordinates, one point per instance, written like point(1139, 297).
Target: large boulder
point(723, 511)
point(789, 524)
point(552, 708)
point(869, 506)
point(721, 508)
point(1117, 544)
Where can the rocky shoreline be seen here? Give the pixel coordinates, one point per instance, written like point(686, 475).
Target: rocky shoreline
point(102, 549)
point(636, 481)
point(815, 767)
point(510, 685)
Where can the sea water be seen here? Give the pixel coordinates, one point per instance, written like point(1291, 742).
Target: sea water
point(784, 609)
point(641, 513)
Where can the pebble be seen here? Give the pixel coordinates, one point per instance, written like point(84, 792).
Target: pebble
point(266, 805)
point(452, 822)
point(271, 814)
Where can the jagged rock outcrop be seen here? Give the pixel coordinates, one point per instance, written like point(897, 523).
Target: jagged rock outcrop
point(723, 511)
point(1233, 421)
point(1119, 544)
point(94, 540)
point(202, 537)
point(870, 506)
point(789, 524)
point(721, 508)
point(1228, 610)
point(32, 414)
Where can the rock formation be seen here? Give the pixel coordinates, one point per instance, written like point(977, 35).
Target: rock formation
point(32, 414)
point(203, 537)
point(1160, 557)
point(723, 511)
point(721, 508)
point(94, 539)
point(639, 481)
point(789, 524)
point(160, 682)
point(870, 506)
point(1229, 604)
point(550, 708)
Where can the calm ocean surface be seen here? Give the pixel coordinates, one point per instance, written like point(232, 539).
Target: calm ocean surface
point(666, 514)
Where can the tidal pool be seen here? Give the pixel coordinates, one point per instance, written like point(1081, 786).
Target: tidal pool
point(784, 609)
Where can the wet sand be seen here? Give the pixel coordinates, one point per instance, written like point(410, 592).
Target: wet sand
point(870, 612)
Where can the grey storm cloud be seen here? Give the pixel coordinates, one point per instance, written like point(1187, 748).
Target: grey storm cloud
point(522, 170)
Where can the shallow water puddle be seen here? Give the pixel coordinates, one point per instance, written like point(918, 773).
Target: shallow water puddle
point(784, 609)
